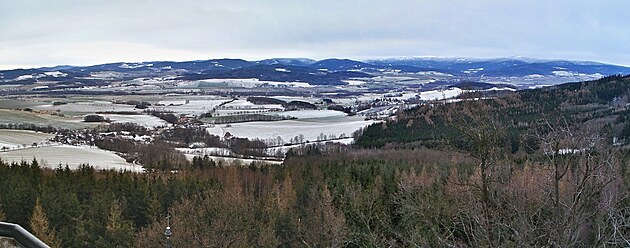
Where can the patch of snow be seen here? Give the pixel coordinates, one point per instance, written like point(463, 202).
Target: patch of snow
point(282, 70)
point(434, 73)
point(244, 105)
point(40, 87)
point(532, 76)
point(539, 86)
point(440, 94)
point(231, 161)
point(564, 73)
point(143, 120)
point(23, 77)
point(310, 129)
point(15, 138)
point(597, 75)
point(134, 65)
point(216, 130)
point(309, 114)
point(173, 102)
point(297, 98)
point(56, 74)
point(240, 103)
point(73, 156)
point(566, 151)
point(354, 82)
point(193, 107)
point(469, 71)
point(500, 89)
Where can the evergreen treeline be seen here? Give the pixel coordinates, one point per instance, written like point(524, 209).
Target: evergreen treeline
point(472, 197)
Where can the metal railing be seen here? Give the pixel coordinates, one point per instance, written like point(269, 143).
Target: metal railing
point(20, 235)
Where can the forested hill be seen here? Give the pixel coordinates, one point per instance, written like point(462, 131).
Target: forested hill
point(602, 102)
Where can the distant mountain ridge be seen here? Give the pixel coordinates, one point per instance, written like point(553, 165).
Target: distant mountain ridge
point(506, 66)
point(331, 71)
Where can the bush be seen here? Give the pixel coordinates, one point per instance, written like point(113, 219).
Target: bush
point(94, 118)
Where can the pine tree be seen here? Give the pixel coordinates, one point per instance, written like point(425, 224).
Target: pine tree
point(40, 228)
point(119, 230)
point(82, 235)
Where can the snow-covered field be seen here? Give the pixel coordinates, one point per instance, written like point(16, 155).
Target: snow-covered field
point(309, 114)
point(240, 107)
point(194, 107)
point(297, 98)
point(19, 117)
point(354, 82)
point(88, 107)
point(231, 161)
point(143, 120)
point(216, 130)
point(310, 129)
point(73, 156)
point(500, 89)
point(18, 138)
point(244, 104)
point(368, 97)
point(228, 112)
point(440, 94)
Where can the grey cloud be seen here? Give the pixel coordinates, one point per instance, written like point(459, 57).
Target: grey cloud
point(44, 32)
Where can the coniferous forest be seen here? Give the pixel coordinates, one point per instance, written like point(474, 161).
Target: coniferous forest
point(540, 168)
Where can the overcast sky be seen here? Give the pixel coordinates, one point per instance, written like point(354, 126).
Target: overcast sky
point(82, 32)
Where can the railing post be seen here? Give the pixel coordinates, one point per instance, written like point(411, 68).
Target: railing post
point(20, 235)
point(168, 232)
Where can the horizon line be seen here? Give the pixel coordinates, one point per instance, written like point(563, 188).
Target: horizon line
point(365, 59)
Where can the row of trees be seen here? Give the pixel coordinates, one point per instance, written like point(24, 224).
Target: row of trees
point(249, 117)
